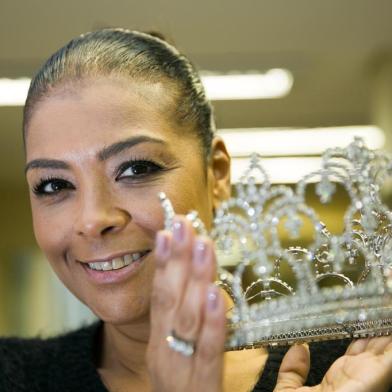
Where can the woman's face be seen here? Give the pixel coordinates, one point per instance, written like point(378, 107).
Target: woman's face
point(97, 157)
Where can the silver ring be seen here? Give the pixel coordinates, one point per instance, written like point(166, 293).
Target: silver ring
point(179, 345)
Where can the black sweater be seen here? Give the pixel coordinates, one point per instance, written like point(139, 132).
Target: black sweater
point(66, 363)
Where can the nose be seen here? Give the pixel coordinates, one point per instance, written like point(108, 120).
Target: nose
point(100, 215)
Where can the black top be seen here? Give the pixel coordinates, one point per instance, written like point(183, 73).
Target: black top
point(66, 363)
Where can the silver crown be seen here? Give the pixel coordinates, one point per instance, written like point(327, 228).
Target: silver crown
point(325, 301)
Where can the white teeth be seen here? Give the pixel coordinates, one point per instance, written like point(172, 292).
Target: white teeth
point(107, 265)
point(127, 259)
point(136, 256)
point(116, 263)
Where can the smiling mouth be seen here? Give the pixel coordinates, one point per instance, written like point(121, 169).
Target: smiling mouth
point(117, 262)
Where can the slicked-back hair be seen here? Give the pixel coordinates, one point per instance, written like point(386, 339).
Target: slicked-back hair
point(134, 55)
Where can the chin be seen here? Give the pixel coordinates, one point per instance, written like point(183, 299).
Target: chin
point(134, 309)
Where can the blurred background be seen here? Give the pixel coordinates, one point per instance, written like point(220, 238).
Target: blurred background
point(287, 79)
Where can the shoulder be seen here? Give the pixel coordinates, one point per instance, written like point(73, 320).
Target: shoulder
point(44, 350)
point(36, 364)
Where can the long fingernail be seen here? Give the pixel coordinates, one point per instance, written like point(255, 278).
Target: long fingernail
point(199, 251)
point(212, 298)
point(162, 244)
point(179, 230)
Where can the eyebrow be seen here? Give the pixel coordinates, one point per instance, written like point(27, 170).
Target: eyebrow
point(122, 145)
point(103, 155)
point(46, 164)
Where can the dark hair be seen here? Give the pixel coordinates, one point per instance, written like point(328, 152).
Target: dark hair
point(141, 56)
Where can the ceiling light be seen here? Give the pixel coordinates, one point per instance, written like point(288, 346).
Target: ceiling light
point(275, 83)
point(286, 142)
point(13, 92)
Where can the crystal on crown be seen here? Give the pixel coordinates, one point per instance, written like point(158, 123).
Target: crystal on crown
point(340, 284)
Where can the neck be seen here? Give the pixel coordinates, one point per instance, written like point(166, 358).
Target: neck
point(124, 348)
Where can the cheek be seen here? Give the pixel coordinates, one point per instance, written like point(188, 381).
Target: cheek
point(191, 193)
point(145, 211)
point(50, 229)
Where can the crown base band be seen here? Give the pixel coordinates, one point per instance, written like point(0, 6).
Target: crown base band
point(353, 330)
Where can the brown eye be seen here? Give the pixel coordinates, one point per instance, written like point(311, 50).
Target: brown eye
point(51, 186)
point(138, 169)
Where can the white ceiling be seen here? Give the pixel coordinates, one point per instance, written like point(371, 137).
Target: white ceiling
point(333, 48)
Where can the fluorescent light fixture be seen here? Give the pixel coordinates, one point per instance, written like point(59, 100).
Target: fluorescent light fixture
point(275, 83)
point(289, 142)
point(13, 92)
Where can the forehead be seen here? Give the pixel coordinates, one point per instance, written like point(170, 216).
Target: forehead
point(96, 113)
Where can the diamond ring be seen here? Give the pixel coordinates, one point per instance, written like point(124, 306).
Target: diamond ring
point(179, 345)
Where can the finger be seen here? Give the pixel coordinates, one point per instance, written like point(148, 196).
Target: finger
point(387, 359)
point(162, 248)
point(294, 369)
point(210, 346)
point(171, 273)
point(188, 318)
point(179, 265)
point(357, 346)
point(388, 348)
point(159, 300)
point(379, 344)
point(173, 280)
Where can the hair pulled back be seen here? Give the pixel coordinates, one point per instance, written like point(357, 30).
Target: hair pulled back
point(136, 55)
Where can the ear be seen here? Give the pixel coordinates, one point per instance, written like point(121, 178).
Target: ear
point(219, 171)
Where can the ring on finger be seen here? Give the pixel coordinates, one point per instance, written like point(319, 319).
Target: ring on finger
point(180, 345)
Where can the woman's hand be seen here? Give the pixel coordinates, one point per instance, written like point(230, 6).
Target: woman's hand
point(366, 367)
point(185, 303)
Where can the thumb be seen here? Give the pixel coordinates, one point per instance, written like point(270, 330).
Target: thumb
point(294, 369)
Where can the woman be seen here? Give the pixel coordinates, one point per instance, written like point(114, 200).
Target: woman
point(110, 120)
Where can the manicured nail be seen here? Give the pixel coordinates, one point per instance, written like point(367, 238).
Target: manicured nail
point(179, 231)
point(212, 298)
point(199, 251)
point(162, 244)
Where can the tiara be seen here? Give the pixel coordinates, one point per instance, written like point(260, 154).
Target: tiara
point(337, 285)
